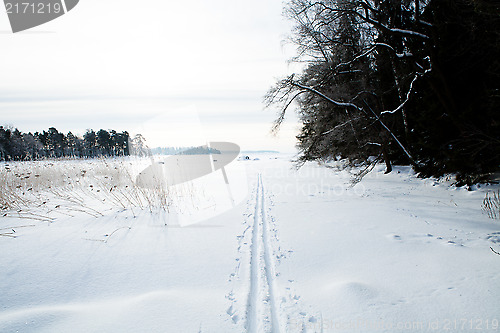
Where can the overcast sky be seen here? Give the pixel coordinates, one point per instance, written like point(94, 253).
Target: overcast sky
point(181, 73)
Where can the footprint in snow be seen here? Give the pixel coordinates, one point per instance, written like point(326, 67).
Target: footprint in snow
point(394, 237)
point(494, 237)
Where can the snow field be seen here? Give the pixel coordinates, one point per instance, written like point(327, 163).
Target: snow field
point(304, 251)
point(392, 253)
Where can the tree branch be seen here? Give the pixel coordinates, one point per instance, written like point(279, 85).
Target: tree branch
point(314, 91)
point(351, 105)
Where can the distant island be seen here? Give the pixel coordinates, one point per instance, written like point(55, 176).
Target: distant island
point(260, 152)
point(201, 150)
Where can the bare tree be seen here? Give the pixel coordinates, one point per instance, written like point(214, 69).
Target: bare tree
point(360, 74)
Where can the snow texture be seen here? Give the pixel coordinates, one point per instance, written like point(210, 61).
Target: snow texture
point(304, 251)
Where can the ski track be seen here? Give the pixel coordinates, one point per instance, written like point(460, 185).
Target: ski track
point(261, 272)
point(266, 306)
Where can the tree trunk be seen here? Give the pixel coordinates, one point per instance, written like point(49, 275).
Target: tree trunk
point(385, 154)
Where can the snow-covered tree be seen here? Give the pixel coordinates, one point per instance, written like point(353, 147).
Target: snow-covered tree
point(373, 70)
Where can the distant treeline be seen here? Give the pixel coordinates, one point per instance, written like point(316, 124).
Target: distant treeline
point(15, 145)
point(184, 151)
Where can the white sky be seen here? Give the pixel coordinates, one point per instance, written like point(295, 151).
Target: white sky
point(139, 66)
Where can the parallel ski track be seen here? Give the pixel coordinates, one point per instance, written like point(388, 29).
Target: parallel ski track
point(262, 271)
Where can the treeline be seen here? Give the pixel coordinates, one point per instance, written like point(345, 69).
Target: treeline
point(409, 82)
point(15, 145)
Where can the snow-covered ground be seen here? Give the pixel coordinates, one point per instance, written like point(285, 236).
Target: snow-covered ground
point(300, 251)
